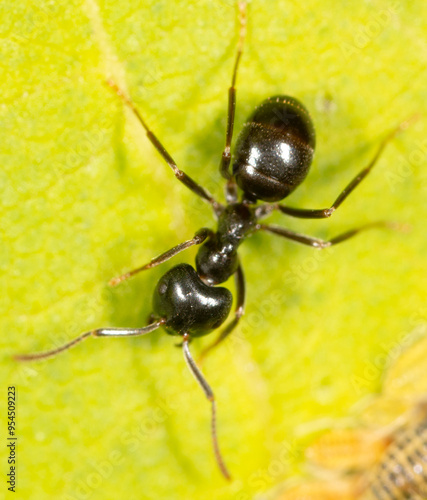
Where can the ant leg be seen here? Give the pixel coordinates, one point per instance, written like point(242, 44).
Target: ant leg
point(327, 212)
point(240, 309)
point(179, 174)
point(231, 188)
point(199, 238)
point(210, 395)
point(100, 332)
point(318, 243)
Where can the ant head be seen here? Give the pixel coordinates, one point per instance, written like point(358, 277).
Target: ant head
point(189, 305)
point(274, 150)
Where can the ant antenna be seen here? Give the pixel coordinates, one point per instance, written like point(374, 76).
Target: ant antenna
point(100, 332)
point(210, 395)
point(231, 188)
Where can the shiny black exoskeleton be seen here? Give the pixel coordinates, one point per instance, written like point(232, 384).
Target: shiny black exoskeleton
point(217, 258)
point(272, 157)
point(274, 150)
point(188, 304)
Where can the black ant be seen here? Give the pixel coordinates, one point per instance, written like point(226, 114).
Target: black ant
point(272, 157)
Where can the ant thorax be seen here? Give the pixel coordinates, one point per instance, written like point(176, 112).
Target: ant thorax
point(217, 258)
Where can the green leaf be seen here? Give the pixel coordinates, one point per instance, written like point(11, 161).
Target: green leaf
point(85, 197)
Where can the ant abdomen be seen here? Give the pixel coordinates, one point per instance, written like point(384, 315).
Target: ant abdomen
point(274, 150)
point(187, 304)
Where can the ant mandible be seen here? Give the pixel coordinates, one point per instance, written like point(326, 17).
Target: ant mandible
point(272, 156)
